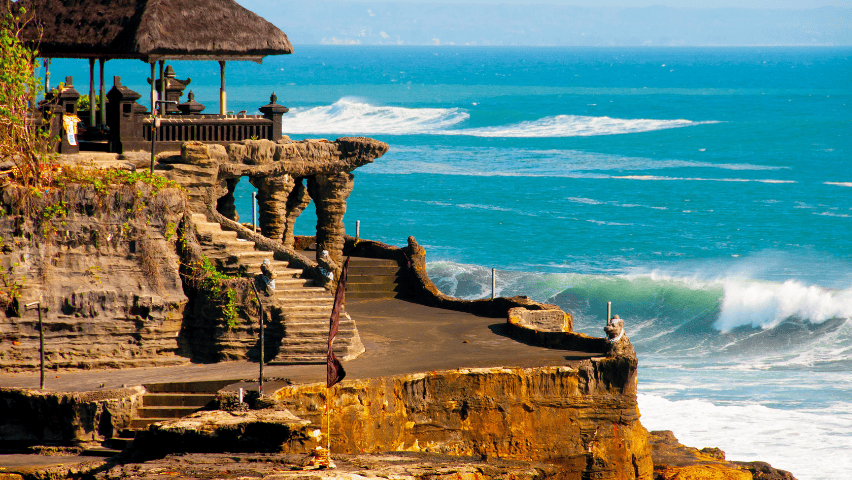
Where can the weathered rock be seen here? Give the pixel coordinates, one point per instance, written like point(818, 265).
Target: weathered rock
point(397, 465)
point(674, 461)
point(33, 417)
point(102, 267)
point(583, 419)
point(268, 430)
point(329, 193)
point(272, 196)
point(297, 202)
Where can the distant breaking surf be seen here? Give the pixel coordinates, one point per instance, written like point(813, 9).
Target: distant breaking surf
point(353, 116)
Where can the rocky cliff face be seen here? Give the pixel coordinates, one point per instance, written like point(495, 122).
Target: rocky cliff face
point(101, 263)
point(584, 419)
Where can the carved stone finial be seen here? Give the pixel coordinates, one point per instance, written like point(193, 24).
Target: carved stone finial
point(191, 96)
point(273, 98)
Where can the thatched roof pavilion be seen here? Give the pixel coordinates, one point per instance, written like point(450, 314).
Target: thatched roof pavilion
point(151, 31)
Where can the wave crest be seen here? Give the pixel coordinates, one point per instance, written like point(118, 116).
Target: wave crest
point(766, 305)
point(351, 115)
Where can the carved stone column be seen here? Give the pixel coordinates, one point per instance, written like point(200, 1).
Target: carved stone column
point(297, 202)
point(226, 203)
point(329, 193)
point(272, 196)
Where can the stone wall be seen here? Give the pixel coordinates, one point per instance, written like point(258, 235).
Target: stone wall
point(102, 264)
point(585, 419)
point(53, 418)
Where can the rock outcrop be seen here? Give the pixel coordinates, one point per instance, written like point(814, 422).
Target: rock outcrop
point(674, 461)
point(583, 419)
point(102, 264)
point(43, 418)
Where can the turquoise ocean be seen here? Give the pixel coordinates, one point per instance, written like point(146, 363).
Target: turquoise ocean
point(705, 192)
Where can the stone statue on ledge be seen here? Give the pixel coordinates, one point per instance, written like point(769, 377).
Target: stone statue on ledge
point(618, 342)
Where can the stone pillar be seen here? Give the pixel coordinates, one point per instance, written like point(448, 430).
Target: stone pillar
point(272, 195)
point(226, 204)
point(297, 201)
point(329, 193)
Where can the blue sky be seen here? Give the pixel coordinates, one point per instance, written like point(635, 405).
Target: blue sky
point(760, 4)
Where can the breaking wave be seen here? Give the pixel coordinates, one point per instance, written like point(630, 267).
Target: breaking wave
point(354, 116)
point(780, 323)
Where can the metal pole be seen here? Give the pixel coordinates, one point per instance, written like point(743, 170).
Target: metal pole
point(608, 311)
point(262, 342)
point(493, 283)
point(40, 339)
point(254, 211)
point(357, 229)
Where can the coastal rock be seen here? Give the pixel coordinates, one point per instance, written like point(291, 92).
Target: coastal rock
point(675, 461)
point(584, 419)
point(32, 417)
point(268, 430)
point(397, 465)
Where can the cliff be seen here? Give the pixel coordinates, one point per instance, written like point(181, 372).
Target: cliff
point(583, 419)
point(101, 261)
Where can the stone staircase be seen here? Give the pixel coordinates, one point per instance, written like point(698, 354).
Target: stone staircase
point(371, 278)
point(162, 402)
point(168, 401)
point(301, 309)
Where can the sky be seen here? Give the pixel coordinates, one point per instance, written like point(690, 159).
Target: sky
point(759, 4)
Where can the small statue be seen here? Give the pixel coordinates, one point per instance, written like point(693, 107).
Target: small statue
point(618, 342)
point(614, 329)
point(268, 276)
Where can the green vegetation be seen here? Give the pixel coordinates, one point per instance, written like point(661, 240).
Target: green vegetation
point(212, 286)
point(21, 137)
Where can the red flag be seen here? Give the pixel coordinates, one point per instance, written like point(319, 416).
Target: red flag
point(335, 368)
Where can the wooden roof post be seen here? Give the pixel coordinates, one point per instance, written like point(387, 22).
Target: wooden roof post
point(223, 96)
point(92, 102)
point(46, 76)
point(153, 90)
point(102, 119)
point(162, 87)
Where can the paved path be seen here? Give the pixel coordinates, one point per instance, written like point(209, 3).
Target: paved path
point(400, 337)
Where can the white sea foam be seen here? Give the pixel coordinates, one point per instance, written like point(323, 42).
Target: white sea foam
point(766, 305)
point(840, 184)
point(811, 445)
point(574, 126)
point(355, 116)
point(351, 115)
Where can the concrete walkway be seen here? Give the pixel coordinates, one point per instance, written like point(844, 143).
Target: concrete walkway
point(400, 337)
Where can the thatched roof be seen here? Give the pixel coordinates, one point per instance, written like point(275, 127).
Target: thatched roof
point(153, 29)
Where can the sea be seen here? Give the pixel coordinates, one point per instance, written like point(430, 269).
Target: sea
point(705, 192)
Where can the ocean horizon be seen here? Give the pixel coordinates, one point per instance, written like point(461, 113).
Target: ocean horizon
point(705, 192)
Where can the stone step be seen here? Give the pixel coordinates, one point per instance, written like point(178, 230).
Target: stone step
point(210, 236)
point(248, 258)
point(164, 412)
point(143, 423)
point(198, 386)
point(101, 451)
point(370, 295)
point(197, 400)
point(370, 280)
point(288, 310)
point(118, 443)
point(309, 300)
point(232, 246)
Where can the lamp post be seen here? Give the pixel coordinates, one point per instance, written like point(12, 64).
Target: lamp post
point(37, 305)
